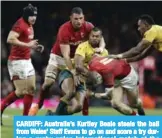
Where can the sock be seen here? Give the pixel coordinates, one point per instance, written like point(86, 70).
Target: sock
point(85, 106)
point(141, 111)
point(42, 97)
point(134, 113)
point(8, 100)
point(27, 100)
point(60, 110)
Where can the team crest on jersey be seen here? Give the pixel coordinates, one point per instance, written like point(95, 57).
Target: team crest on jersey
point(82, 35)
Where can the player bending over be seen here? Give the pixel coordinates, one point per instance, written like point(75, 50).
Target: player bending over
point(20, 67)
point(152, 38)
point(111, 69)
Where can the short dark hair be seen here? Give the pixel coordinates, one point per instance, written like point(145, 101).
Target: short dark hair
point(76, 10)
point(96, 29)
point(147, 18)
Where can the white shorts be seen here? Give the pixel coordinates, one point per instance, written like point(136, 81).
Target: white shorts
point(21, 68)
point(130, 82)
point(57, 61)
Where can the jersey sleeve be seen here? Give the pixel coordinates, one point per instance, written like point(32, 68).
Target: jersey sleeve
point(150, 35)
point(17, 27)
point(109, 79)
point(81, 50)
point(63, 35)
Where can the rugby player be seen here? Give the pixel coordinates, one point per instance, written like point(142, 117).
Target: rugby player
point(152, 38)
point(69, 36)
point(111, 69)
point(20, 67)
point(83, 55)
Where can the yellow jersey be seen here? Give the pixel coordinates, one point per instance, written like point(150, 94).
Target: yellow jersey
point(154, 35)
point(86, 50)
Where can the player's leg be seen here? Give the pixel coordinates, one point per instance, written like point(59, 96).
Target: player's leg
point(135, 101)
point(118, 104)
point(78, 100)
point(26, 88)
point(50, 78)
point(19, 72)
point(129, 83)
point(67, 85)
point(52, 70)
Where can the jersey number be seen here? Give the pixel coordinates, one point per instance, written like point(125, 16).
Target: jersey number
point(106, 61)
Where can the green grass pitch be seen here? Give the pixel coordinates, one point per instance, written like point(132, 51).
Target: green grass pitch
point(7, 128)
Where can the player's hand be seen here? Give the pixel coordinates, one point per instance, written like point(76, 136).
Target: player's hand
point(99, 50)
point(33, 44)
point(89, 93)
point(97, 95)
point(40, 48)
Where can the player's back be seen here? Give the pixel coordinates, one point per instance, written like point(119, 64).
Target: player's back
point(158, 39)
point(154, 35)
point(26, 33)
point(103, 65)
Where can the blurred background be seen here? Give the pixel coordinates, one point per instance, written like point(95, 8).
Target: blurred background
point(116, 19)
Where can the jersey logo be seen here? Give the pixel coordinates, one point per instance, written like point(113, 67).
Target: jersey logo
point(106, 61)
point(82, 35)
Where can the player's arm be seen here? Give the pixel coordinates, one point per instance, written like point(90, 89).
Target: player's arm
point(147, 40)
point(14, 34)
point(79, 64)
point(142, 45)
point(65, 50)
point(13, 40)
point(105, 96)
point(64, 39)
point(101, 46)
point(142, 55)
point(80, 55)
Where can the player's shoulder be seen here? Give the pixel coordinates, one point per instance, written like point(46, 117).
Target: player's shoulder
point(156, 27)
point(88, 23)
point(153, 29)
point(66, 25)
point(19, 25)
point(65, 28)
point(20, 22)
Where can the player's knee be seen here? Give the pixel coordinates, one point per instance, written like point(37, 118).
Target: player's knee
point(31, 90)
point(69, 95)
point(47, 83)
point(19, 93)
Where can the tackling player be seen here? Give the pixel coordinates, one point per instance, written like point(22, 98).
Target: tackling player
point(111, 69)
point(152, 38)
point(83, 55)
point(20, 67)
point(69, 36)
